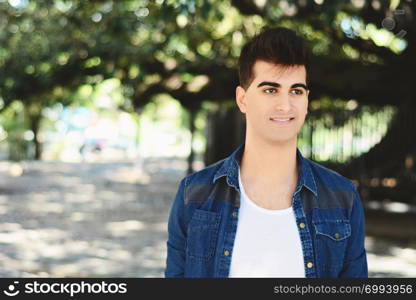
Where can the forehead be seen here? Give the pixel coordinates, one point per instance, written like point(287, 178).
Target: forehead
point(266, 71)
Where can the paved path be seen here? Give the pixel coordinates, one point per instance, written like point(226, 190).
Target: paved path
point(109, 220)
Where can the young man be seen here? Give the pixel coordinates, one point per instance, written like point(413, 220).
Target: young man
point(266, 211)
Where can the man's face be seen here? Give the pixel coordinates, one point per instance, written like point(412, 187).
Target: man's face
point(275, 103)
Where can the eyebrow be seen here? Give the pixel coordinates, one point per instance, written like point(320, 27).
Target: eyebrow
point(275, 84)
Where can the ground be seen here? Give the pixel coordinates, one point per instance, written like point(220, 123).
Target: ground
point(109, 220)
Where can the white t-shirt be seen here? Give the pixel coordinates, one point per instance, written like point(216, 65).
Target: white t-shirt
point(267, 242)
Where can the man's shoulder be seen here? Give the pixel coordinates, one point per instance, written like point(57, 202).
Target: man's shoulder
point(205, 175)
point(198, 185)
point(330, 178)
point(333, 189)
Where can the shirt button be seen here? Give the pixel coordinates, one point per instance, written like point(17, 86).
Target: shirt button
point(302, 225)
point(337, 235)
point(309, 265)
point(226, 253)
point(234, 214)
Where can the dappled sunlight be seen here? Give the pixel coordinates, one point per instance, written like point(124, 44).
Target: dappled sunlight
point(16, 170)
point(46, 208)
point(125, 227)
point(77, 216)
point(103, 102)
point(163, 226)
point(3, 209)
point(78, 197)
point(129, 175)
point(96, 219)
point(386, 259)
point(86, 221)
point(391, 206)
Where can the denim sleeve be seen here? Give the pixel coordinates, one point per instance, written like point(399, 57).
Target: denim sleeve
point(176, 244)
point(355, 262)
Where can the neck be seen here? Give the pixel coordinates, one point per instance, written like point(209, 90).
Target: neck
point(269, 163)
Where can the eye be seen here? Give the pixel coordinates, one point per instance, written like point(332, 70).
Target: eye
point(297, 91)
point(270, 91)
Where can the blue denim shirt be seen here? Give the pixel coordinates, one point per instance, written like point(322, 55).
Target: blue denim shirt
point(203, 221)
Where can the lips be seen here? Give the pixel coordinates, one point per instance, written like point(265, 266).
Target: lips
point(282, 120)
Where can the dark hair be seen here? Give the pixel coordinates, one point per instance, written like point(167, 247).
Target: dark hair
point(277, 45)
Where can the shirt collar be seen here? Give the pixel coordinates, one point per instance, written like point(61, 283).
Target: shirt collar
point(231, 164)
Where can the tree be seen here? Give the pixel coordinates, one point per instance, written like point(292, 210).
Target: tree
point(189, 50)
point(50, 48)
point(369, 57)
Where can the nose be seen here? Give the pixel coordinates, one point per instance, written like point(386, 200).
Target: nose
point(282, 103)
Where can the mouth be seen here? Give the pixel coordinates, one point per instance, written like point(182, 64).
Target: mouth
point(281, 121)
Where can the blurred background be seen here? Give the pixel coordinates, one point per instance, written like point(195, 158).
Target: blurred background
point(105, 105)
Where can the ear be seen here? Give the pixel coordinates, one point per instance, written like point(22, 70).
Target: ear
point(240, 98)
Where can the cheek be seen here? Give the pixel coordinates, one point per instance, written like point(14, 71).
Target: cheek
point(258, 113)
point(303, 108)
point(255, 108)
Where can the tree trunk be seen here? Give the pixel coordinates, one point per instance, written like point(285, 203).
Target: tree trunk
point(35, 126)
point(192, 116)
point(225, 131)
point(387, 158)
point(393, 157)
point(34, 118)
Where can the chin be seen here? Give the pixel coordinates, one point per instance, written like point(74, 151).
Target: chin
point(282, 140)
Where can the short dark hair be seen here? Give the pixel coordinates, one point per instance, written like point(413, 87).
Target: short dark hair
point(277, 45)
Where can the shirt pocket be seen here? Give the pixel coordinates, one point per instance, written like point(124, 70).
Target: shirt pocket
point(335, 230)
point(331, 238)
point(202, 234)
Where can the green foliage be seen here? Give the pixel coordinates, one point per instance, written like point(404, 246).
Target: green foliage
point(54, 51)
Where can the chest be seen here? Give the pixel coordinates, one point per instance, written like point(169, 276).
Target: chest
point(270, 197)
